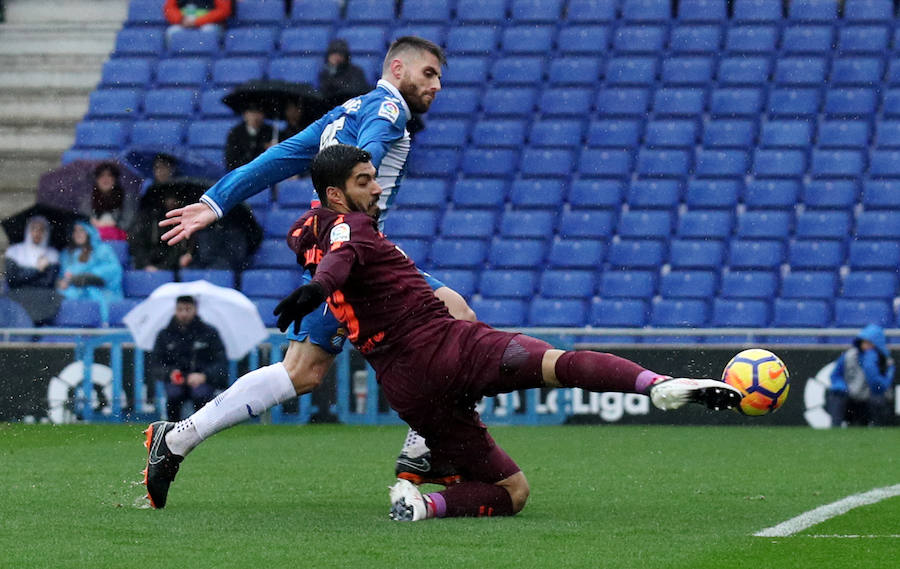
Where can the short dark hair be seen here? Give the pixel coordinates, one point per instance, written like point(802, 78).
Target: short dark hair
point(413, 43)
point(333, 165)
point(187, 299)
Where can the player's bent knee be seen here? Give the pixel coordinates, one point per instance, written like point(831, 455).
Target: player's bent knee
point(456, 304)
point(306, 365)
point(518, 489)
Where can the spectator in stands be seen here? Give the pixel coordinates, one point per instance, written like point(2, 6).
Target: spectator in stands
point(90, 269)
point(248, 139)
point(861, 381)
point(189, 358)
point(229, 244)
point(110, 209)
point(196, 14)
point(296, 118)
point(31, 270)
point(164, 170)
point(340, 79)
point(148, 252)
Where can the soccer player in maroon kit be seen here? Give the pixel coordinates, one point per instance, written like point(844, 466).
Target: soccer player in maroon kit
point(432, 368)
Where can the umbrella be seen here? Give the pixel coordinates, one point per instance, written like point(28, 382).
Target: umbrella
point(66, 187)
point(188, 163)
point(231, 313)
point(272, 95)
point(60, 224)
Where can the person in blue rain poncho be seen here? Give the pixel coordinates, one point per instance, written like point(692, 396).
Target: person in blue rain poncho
point(861, 381)
point(90, 269)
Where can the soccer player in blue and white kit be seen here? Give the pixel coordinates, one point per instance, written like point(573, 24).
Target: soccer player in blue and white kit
point(375, 122)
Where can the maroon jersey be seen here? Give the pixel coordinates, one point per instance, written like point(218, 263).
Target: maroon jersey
point(372, 286)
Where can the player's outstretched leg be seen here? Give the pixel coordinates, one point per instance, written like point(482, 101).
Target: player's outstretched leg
point(417, 465)
point(407, 503)
point(676, 392)
point(162, 464)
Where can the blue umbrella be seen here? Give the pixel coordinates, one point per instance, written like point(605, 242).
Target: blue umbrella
point(187, 162)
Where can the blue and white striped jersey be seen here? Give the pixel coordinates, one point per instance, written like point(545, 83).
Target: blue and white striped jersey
point(375, 122)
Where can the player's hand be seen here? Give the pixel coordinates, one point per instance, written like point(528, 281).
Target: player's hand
point(185, 221)
point(297, 305)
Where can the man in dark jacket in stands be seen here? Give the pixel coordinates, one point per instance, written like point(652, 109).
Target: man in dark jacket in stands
point(248, 138)
point(190, 359)
point(339, 79)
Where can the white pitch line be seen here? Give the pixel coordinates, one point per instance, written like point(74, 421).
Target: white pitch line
point(837, 536)
point(828, 511)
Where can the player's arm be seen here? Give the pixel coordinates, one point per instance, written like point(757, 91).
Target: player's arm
point(378, 131)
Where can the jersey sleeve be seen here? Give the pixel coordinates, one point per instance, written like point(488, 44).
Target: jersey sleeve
point(349, 242)
point(383, 123)
point(274, 165)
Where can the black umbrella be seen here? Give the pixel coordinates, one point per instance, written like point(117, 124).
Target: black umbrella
point(60, 224)
point(187, 162)
point(271, 96)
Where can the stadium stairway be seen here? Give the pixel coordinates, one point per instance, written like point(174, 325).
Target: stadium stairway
point(51, 54)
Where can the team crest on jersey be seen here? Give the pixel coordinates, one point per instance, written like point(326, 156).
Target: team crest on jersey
point(389, 110)
point(353, 105)
point(340, 233)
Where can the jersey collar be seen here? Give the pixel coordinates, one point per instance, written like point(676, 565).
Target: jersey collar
point(387, 85)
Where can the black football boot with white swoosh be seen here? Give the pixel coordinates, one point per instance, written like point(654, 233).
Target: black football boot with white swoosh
point(162, 465)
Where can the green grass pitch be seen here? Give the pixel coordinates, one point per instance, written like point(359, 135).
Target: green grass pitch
point(316, 496)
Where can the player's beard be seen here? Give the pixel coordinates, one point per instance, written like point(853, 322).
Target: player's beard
point(414, 98)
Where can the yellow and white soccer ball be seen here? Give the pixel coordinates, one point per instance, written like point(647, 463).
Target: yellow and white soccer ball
point(763, 379)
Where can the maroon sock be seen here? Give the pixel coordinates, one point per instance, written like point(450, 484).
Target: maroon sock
point(471, 499)
point(596, 371)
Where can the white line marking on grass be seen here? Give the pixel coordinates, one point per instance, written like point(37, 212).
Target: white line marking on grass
point(894, 536)
point(828, 511)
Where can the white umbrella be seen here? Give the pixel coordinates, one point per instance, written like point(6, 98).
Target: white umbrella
point(231, 313)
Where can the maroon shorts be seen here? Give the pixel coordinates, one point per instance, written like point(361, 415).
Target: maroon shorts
point(436, 381)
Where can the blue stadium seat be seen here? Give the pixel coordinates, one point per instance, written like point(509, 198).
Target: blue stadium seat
point(699, 224)
point(170, 102)
point(735, 102)
point(114, 103)
point(568, 284)
point(209, 133)
point(460, 280)
point(295, 194)
point(813, 10)
point(639, 39)
point(118, 309)
point(858, 11)
point(654, 193)
point(855, 313)
point(437, 11)
point(361, 12)
point(843, 134)
point(790, 102)
point(274, 254)
point(850, 102)
point(504, 283)
point(800, 71)
point(721, 163)
point(120, 248)
point(623, 102)
point(888, 134)
point(696, 254)
point(627, 284)
point(278, 221)
point(74, 154)
point(891, 104)
point(594, 193)
point(556, 132)
point(158, 132)
point(483, 162)
point(262, 201)
point(618, 313)
point(881, 194)
point(193, 42)
point(250, 41)
point(126, 71)
point(801, 313)
point(574, 70)
point(678, 313)
point(308, 40)
point(743, 70)
point(467, 223)
point(364, 40)
point(828, 163)
point(830, 193)
point(296, 69)
point(537, 224)
point(144, 42)
point(474, 40)
point(751, 39)
point(144, 13)
point(259, 12)
point(633, 70)
point(270, 283)
point(688, 284)
point(458, 253)
point(101, 134)
point(419, 250)
point(536, 11)
point(583, 40)
point(78, 314)
point(549, 162)
point(315, 11)
point(496, 132)
point(748, 284)
point(869, 284)
point(467, 70)
point(500, 312)
point(779, 163)
point(509, 101)
point(481, 11)
point(585, 11)
point(670, 133)
point(567, 313)
point(644, 11)
point(539, 193)
point(479, 192)
point(724, 133)
point(614, 133)
point(605, 163)
point(663, 163)
point(786, 134)
point(694, 39)
point(813, 224)
point(456, 101)
point(586, 224)
point(576, 253)
point(564, 102)
point(757, 11)
point(422, 192)
point(445, 132)
point(265, 307)
point(863, 71)
point(771, 194)
point(884, 164)
point(433, 162)
point(815, 254)
point(712, 194)
point(878, 225)
point(140, 283)
point(702, 11)
point(884, 255)
point(636, 253)
point(182, 72)
point(739, 313)
point(809, 284)
point(536, 40)
point(218, 277)
point(411, 223)
point(745, 254)
point(809, 40)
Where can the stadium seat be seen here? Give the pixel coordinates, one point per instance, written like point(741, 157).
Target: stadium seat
point(735, 102)
point(745, 254)
point(884, 164)
point(793, 102)
point(881, 194)
point(807, 40)
point(472, 40)
point(696, 254)
point(786, 134)
point(437, 162)
point(843, 134)
point(369, 11)
point(511, 101)
point(878, 225)
point(553, 312)
point(823, 224)
point(721, 163)
point(627, 284)
point(460, 280)
point(120, 248)
point(751, 39)
point(618, 313)
point(641, 38)
point(674, 101)
point(218, 277)
point(158, 132)
point(364, 39)
point(536, 224)
point(688, 284)
point(743, 71)
point(583, 40)
point(467, 70)
point(446, 132)
point(126, 71)
point(694, 39)
point(538, 193)
point(748, 284)
point(645, 194)
point(809, 284)
point(614, 133)
point(592, 193)
point(114, 103)
point(481, 11)
point(182, 72)
point(789, 313)
point(837, 163)
point(702, 11)
point(815, 254)
point(797, 71)
point(633, 70)
point(576, 253)
point(830, 193)
point(140, 283)
point(556, 132)
point(536, 11)
point(483, 162)
point(479, 192)
point(565, 102)
point(883, 255)
point(295, 69)
point(574, 71)
point(504, 283)
point(862, 71)
point(308, 40)
point(458, 253)
point(670, 133)
point(700, 224)
point(465, 223)
point(144, 13)
point(679, 313)
point(499, 312)
point(78, 314)
point(869, 284)
point(850, 102)
point(101, 134)
point(534, 40)
point(855, 313)
point(568, 284)
point(605, 163)
point(860, 11)
point(586, 224)
point(671, 163)
point(636, 253)
point(315, 11)
point(590, 11)
point(891, 104)
point(170, 102)
point(269, 283)
point(421, 192)
point(411, 223)
point(757, 11)
point(139, 42)
point(888, 134)
point(868, 40)
point(813, 10)
point(779, 163)
point(547, 162)
point(419, 250)
point(250, 41)
point(273, 254)
point(771, 194)
point(622, 102)
point(712, 194)
point(193, 42)
point(209, 133)
point(739, 313)
point(118, 309)
point(437, 11)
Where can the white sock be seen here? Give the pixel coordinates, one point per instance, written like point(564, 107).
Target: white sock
point(252, 394)
point(414, 446)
